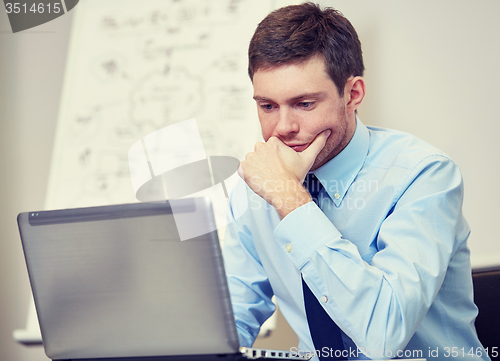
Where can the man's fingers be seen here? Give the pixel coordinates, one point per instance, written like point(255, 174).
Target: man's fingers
point(240, 172)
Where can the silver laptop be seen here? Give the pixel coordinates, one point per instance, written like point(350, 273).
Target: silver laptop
point(117, 283)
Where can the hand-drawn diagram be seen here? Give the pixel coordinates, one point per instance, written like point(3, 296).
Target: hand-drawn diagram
point(136, 67)
point(162, 98)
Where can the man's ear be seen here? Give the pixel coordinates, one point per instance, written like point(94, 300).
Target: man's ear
point(354, 92)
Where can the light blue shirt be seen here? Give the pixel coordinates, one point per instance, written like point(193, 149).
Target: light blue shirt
point(386, 254)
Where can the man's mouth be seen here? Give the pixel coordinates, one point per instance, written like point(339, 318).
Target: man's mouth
point(298, 147)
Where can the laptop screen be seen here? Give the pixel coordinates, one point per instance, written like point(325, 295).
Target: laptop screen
point(117, 281)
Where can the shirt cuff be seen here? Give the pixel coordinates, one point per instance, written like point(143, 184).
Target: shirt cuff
point(303, 231)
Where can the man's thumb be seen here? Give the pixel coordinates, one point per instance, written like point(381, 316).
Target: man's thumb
point(316, 146)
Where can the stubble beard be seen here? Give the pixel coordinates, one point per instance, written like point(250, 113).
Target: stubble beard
point(336, 142)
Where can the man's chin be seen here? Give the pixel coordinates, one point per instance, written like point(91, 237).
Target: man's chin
point(316, 165)
point(321, 159)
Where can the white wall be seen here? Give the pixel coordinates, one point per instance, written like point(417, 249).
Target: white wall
point(31, 75)
point(431, 70)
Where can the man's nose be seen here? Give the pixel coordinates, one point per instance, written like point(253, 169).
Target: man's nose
point(287, 122)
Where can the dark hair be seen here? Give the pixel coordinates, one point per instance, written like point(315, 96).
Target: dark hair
point(295, 33)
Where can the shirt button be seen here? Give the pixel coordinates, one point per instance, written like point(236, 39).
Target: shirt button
point(289, 248)
point(336, 195)
point(324, 299)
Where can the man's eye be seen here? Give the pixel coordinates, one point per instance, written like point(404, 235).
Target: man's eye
point(306, 104)
point(267, 106)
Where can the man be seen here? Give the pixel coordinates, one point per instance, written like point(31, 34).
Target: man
point(382, 248)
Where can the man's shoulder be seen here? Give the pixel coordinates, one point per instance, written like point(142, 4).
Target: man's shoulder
point(395, 148)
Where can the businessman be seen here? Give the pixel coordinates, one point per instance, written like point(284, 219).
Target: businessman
point(358, 231)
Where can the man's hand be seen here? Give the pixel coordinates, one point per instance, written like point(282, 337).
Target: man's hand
point(276, 172)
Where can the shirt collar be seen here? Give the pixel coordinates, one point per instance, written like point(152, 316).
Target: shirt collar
point(338, 174)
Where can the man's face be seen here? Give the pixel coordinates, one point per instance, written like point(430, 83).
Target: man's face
point(297, 102)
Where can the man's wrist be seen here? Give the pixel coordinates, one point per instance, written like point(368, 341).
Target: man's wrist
point(287, 202)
